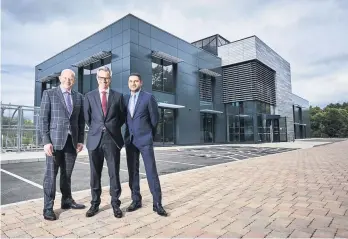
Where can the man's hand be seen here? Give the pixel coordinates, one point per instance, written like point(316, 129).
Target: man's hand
point(79, 147)
point(48, 148)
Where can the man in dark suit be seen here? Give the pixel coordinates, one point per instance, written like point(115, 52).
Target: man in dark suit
point(62, 128)
point(141, 123)
point(104, 114)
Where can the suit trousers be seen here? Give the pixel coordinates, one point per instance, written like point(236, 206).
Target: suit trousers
point(148, 156)
point(108, 149)
point(65, 160)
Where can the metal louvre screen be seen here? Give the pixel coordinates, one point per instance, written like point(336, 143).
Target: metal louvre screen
point(248, 81)
point(205, 88)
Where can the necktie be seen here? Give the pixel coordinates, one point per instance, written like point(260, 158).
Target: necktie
point(132, 105)
point(68, 102)
point(104, 103)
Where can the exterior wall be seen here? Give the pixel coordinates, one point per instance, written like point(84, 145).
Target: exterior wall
point(283, 82)
point(131, 41)
point(115, 38)
point(253, 48)
point(145, 38)
point(297, 100)
point(238, 51)
point(304, 104)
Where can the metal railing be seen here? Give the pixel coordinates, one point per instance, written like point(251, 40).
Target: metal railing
point(20, 130)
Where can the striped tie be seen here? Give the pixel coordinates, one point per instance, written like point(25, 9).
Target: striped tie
point(68, 101)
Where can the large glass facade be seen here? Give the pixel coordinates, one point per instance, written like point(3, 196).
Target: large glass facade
point(241, 128)
point(255, 121)
point(162, 76)
point(166, 127)
point(270, 128)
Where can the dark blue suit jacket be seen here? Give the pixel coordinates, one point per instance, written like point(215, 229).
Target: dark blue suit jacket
point(96, 120)
point(141, 128)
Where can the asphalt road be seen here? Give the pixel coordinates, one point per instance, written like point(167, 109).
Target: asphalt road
point(23, 181)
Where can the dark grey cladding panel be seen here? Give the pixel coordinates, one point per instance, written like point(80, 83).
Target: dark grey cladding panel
point(163, 36)
point(249, 81)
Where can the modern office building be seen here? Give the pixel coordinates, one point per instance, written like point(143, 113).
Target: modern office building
point(208, 91)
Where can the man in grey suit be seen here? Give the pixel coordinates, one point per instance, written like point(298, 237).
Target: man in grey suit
point(62, 127)
point(104, 114)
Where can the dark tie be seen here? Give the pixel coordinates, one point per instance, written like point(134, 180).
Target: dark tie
point(104, 103)
point(68, 102)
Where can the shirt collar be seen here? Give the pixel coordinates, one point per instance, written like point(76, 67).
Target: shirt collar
point(102, 90)
point(64, 90)
point(136, 94)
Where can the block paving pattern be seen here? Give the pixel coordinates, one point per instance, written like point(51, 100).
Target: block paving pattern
point(301, 193)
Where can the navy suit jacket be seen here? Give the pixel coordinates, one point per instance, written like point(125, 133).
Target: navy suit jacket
point(141, 128)
point(96, 120)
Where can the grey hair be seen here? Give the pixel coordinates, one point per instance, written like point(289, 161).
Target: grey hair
point(104, 68)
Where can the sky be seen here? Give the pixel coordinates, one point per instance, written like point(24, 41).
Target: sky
point(310, 34)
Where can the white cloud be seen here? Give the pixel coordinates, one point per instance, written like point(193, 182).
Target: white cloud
point(302, 32)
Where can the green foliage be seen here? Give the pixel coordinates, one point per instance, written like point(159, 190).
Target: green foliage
point(331, 121)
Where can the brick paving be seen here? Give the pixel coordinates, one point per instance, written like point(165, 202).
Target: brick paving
point(302, 193)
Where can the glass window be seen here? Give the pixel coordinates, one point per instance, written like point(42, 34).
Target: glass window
point(162, 76)
point(168, 81)
point(89, 75)
point(241, 128)
point(156, 76)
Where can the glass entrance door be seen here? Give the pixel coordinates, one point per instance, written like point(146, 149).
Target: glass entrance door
point(166, 126)
point(207, 128)
point(276, 133)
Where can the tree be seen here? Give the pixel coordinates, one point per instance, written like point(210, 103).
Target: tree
point(332, 121)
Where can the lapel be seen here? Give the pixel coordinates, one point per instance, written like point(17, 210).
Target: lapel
point(61, 97)
point(110, 100)
point(138, 101)
point(98, 102)
point(127, 103)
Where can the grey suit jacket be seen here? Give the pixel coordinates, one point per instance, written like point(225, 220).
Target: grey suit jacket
point(55, 121)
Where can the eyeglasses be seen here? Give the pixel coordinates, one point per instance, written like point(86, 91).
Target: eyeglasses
point(103, 78)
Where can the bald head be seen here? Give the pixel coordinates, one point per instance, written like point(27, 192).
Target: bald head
point(68, 71)
point(67, 78)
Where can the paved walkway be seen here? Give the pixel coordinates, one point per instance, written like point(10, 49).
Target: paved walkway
point(302, 193)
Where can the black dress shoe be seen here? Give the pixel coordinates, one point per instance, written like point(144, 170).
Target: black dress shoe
point(117, 212)
point(72, 204)
point(159, 209)
point(134, 206)
point(49, 215)
point(92, 211)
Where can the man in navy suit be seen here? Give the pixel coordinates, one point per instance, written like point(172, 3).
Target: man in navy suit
point(103, 110)
point(141, 123)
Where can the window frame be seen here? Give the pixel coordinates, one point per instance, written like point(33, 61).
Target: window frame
point(163, 63)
